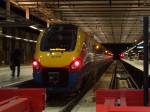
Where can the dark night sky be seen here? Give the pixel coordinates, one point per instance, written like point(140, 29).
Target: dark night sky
point(116, 49)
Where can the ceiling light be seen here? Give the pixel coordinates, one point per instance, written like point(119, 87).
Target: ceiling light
point(41, 30)
point(33, 27)
point(97, 46)
point(8, 36)
point(140, 47)
point(25, 40)
point(17, 38)
point(140, 43)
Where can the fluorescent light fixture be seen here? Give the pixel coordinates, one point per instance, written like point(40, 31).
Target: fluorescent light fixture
point(31, 41)
point(25, 39)
point(17, 38)
point(135, 46)
point(140, 47)
point(130, 48)
point(140, 43)
point(8, 36)
point(41, 30)
point(33, 27)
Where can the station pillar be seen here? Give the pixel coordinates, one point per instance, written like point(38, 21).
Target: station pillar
point(145, 31)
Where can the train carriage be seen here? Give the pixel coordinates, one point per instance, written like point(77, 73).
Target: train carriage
point(64, 58)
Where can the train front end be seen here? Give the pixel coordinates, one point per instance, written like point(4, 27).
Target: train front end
point(57, 62)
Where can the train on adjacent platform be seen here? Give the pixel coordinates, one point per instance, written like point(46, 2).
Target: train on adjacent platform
point(65, 56)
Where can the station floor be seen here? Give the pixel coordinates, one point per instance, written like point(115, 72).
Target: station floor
point(87, 103)
point(6, 79)
point(26, 73)
point(136, 63)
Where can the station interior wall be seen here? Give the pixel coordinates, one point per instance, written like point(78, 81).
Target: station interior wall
point(8, 44)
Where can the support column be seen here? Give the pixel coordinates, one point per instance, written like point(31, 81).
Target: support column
point(1, 47)
point(7, 9)
point(145, 30)
point(27, 13)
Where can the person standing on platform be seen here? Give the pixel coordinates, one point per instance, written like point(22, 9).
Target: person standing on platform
point(15, 59)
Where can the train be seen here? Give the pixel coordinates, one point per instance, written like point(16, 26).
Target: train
point(65, 57)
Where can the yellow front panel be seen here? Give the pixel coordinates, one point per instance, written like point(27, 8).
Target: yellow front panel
point(56, 59)
point(59, 59)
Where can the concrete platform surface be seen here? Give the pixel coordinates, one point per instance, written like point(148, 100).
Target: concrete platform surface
point(7, 80)
point(87, 103)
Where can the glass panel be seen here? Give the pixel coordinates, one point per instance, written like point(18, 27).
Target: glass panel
point(59, 36)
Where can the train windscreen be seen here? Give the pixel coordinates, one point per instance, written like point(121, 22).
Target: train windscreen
point(59, 36)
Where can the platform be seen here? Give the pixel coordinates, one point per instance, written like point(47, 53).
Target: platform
point(7, 80)
point(136, 63)
point(87, 103)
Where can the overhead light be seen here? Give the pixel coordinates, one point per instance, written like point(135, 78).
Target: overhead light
point(25, 39)
point(52, 19)
point(140, 43)
point(17, 38)
point(135, 40)
point(140, 47)
point(41, 30)
point(97, 46)
point(8, 36)
point(33, 27)
point(130, 48)
point(30, 40)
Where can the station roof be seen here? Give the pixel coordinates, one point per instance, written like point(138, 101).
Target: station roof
point(111, 21)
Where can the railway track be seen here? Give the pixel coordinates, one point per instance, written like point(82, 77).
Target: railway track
point(121, 78)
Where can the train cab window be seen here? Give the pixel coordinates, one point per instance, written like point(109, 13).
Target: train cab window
point(59, 37)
